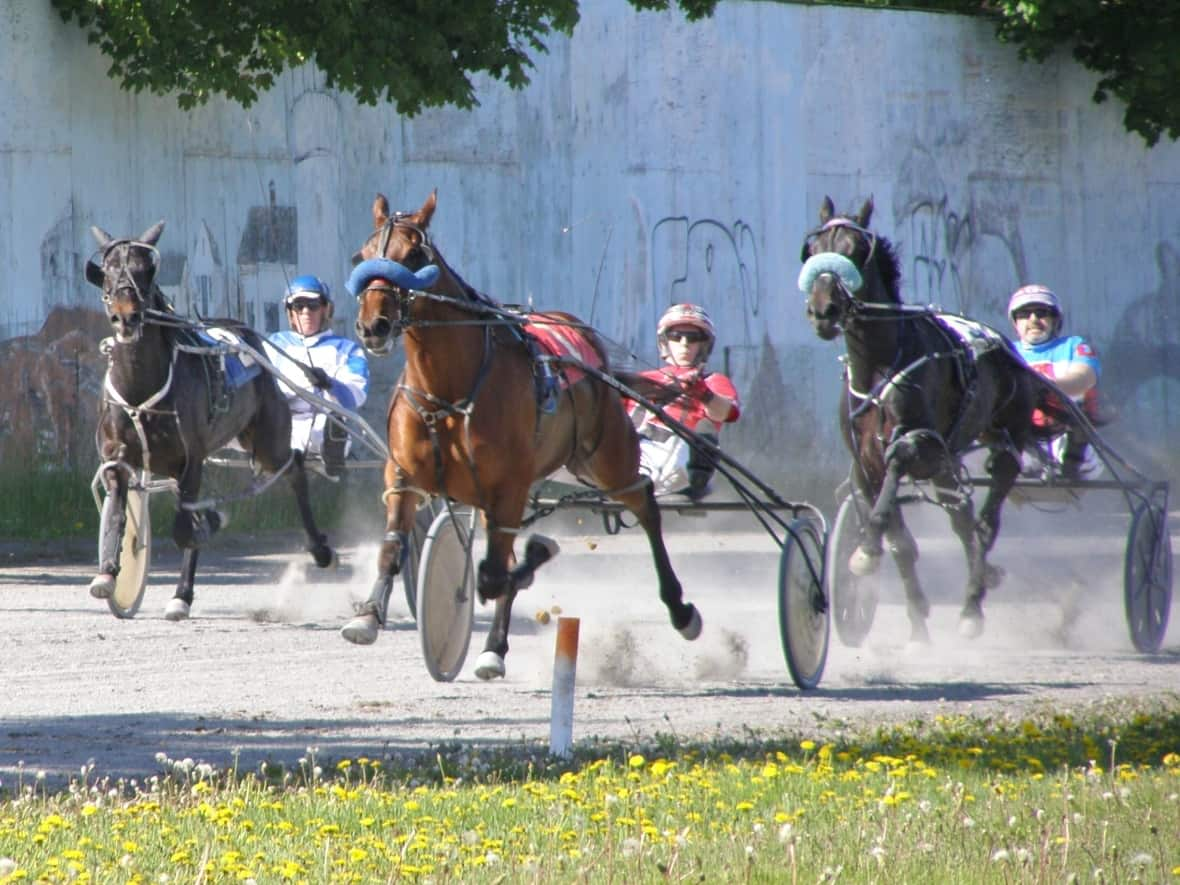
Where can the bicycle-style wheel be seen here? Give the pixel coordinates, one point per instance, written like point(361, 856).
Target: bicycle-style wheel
point(135, 555)
point(802, 606)
point(446, 595)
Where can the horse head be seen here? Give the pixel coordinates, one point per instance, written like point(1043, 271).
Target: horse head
point(395, 261)
point(841, 268)
point(125, 270)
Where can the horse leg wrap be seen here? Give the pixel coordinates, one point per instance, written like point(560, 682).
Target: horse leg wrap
point(395, 546)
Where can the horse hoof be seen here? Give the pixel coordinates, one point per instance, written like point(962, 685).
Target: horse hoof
point(540, 549)
point(176, 610)
point(103, 586)
point(919, 636)
point(361, 630)
point(324, 556)
point(863, 564)
point(971, 626)
point(993, 576)
point(489, 665)
point(692, 629)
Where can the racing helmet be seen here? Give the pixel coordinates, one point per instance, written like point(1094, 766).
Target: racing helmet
point(686, 315)
point(1034, 294)
point(309, 286)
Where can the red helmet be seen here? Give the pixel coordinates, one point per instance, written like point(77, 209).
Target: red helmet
point(686, 315)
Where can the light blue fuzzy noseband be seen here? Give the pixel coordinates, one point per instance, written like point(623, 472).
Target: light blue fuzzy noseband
point(385, 269)
point(833, 263)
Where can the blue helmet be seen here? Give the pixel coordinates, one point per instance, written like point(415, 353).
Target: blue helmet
point(305, 285)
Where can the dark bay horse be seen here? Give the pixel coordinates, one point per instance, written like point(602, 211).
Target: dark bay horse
point(464, 423)
point(916, 397)
point(167, 404)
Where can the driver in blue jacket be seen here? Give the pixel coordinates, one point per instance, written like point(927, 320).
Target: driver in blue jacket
point(1069, 360)
point(311, 356)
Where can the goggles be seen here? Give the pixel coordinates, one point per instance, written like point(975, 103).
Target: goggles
point(1038, 310)
point(298, 304)
point(690, 336)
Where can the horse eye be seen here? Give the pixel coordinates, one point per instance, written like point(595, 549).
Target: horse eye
point(357, 258)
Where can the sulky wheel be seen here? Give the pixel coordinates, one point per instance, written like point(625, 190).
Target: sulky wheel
point(853, 599)
point(1147, 575)
point(422, 520)
point(446, 594)
point(802, 607)
point(135, 554)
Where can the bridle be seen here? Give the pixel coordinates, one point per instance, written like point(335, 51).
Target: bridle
point(403, 299)
point(125, 279)
point(849, 306)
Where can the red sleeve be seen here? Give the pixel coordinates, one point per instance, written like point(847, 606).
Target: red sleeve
point(722, 386)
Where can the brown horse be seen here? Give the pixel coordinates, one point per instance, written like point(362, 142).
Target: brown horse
point(465, 423)
point(167, 404)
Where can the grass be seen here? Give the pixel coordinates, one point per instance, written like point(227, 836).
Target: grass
point(1046, 799)
point(50, 502)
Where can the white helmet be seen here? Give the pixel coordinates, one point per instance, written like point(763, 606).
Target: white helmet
point(1033, 294)
point(686, 315)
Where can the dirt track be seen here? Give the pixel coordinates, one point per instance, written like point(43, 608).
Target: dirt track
point(261, 672)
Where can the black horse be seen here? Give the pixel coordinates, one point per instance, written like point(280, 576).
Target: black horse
point(168, 402)
point(918, 395)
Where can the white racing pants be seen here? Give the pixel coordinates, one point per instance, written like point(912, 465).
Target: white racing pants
point(666, 462)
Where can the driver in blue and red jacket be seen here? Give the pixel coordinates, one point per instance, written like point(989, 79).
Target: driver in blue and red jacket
point(1069, 360)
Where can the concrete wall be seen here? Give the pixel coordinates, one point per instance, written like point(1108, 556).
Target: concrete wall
point(651, 160)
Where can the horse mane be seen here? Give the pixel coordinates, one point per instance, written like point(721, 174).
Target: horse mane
point(889, 266)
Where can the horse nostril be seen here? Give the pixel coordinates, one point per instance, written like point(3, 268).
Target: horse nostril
point(381, 327)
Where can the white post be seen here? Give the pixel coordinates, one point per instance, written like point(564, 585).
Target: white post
point(565, 665)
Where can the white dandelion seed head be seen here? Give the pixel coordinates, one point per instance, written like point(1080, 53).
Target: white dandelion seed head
point(786, 833)
point(1000, 855)
point(630, 847)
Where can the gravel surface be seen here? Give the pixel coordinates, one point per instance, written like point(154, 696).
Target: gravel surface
point(261, 672)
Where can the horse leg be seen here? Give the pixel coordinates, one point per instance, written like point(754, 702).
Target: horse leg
point(495, 581)
point(370, 616)
point(181, 603)
point(866, 558)
point(111, 543)
point(978, 538)
point(190, 529)
point(684, 615)
point(904, 550)
point(317, 543)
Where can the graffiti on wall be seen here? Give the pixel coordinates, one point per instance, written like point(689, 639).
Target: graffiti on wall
point(1141, 361)
point(716, 265)
point(964, 257)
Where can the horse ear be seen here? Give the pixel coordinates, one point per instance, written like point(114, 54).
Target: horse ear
point(152, 234)
point(100, 236)
point(380, 211)
point(826, 210)
point(866, 212)
point(427, 211)
point(94, 274)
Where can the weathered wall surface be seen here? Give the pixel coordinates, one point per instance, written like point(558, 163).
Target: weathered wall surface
point(650, 161)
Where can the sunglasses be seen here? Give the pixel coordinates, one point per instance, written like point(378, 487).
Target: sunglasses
point(305, 304)
point(1025, 313)
point(692, 337)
